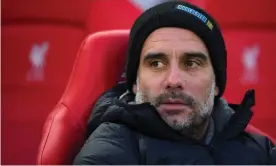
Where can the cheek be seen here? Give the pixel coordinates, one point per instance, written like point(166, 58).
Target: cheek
point(150, 84)
point(199, 87)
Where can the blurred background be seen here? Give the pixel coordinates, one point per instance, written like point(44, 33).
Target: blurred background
point(40, 39)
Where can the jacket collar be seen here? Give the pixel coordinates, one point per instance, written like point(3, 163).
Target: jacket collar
point(229, 119)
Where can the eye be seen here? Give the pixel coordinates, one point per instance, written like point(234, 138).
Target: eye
point(157, 64)
point(192, 64)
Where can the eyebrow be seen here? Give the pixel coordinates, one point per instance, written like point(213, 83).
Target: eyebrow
point(198, 55)
point(157, 55)
point(189, 55)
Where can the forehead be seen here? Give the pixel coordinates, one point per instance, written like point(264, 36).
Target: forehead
point(174, 39)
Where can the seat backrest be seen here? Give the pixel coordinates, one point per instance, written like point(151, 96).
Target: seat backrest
point(250, 35)
point(40, 40)
point(109, 14)
point(241, 14)
point(98, 65)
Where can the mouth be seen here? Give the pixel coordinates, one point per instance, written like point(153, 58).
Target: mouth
point(173, 101)
point(174, 105)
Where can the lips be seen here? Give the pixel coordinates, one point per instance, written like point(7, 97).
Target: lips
point(173, 105)
point(173, 101)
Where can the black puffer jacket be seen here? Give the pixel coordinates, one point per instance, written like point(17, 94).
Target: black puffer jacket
point(121, 133)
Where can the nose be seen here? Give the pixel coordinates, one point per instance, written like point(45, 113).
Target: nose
point(174, 80)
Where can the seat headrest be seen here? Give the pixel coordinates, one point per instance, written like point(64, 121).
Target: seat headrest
point(99, 64)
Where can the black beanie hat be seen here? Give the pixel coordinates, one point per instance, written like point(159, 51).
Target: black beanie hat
point(182, 15)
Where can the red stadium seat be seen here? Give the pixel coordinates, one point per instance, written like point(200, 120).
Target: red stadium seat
point(98, 65)
point(249, 28)
point(110, 14)
point(62, 11)
point(37, 64)
point(249, 66)
point(64, 130)
point(243, 14)
point(40, 40)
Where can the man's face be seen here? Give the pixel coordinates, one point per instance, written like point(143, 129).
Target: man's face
point(176, 76)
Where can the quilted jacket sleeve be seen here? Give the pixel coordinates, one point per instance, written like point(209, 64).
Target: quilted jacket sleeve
point(109, 144)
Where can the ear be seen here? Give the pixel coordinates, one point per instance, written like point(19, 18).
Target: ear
point(216, 90)
point(134, 88)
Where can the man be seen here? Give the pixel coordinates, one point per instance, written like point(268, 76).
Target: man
point(170, 110)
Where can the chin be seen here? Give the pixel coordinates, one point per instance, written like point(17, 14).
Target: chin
point(179, 115)
point(179, 120)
